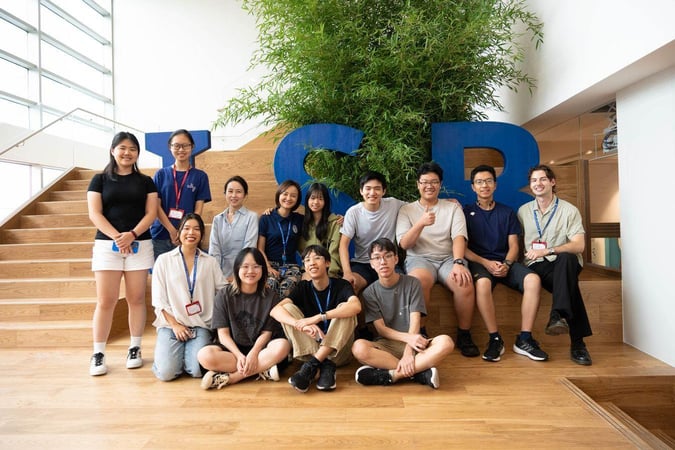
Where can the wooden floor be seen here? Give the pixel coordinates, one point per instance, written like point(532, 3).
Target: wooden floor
point(50, 402)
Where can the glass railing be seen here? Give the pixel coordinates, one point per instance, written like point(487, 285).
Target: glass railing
point(31, 160)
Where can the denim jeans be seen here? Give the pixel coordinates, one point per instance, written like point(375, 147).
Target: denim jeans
point(160, 246)
point(173, 357)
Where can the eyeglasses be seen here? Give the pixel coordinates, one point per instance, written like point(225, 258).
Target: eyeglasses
point(254, 267)
point(426, 183)
point(487, 182)
point(386, 257)
point(181, 146)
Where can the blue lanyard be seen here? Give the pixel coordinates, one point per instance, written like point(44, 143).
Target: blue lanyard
point(284, 239)
point(322, 309)
point(191, 285)
point(536, 221)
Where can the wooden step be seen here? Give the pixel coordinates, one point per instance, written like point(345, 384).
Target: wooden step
point(68, 195)
point(45, 334)
point(24, 310)
point(54, 250)
point(62, 207)
point(35, 288)
point(55, 221)
point(76, 185)
point(46, 235)
point(48, 268)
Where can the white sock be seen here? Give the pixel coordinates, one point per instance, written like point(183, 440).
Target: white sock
point(135, 341)
point(99, 347)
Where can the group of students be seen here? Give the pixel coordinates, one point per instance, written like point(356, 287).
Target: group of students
point(263, 304)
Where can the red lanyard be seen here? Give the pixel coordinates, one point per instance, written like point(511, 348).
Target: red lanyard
point(175, 184)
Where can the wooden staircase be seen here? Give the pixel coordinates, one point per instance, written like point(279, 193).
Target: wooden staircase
point(47, 289)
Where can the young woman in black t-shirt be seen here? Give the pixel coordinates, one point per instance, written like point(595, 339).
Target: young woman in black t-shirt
point(122, 204)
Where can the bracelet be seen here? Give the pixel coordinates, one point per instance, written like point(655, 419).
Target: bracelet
point(324, 317)
point(134, 233)
point(508, 262)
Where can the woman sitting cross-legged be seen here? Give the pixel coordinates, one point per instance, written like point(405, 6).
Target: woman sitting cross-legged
point(250, 341)
point(185, 281)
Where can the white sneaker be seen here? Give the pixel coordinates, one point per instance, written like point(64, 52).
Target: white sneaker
point(134, 360)
point(97, 365)
point(270, 374)
point(213, 379)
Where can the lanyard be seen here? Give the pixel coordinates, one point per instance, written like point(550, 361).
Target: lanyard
point(178, 190)
point(536, 221)
point(322, 309)
point(284, 239)
point(191, 285)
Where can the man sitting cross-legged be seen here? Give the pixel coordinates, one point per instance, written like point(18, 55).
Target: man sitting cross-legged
point(395, 304)
point(319, 317)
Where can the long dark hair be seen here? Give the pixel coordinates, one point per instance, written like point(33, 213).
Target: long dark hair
point(111, 168)
point(200, 222)
point(260, 260)
point(322, 226)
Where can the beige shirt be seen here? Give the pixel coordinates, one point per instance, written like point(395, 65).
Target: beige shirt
point(435, 241)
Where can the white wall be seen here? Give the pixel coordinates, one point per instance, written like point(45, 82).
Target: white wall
point(591, 50)
point(177, 62)
point(646, 123)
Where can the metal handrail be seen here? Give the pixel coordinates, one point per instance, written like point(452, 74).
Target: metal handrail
point(65, 116)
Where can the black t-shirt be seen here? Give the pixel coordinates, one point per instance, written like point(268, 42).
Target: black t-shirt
point(305, 297)
point(123, 200)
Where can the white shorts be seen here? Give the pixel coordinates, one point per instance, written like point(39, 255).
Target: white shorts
point(104, 258)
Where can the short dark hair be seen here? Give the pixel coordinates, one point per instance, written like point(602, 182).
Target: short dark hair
point(239, 180)
point(318, 250)
point(549, 173)
point(259, 260)
point(430, 167)
point(373, 175)
point(384, 244)
point(283, 187)
point(483, 168)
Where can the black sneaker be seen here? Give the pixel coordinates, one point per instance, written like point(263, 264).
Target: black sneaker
point(301, 379)
point(428, 377)
point(466, 345)
point(370, 376)
point(530, 348)
point(495, 350)
point(556, 325)
point(326, 380)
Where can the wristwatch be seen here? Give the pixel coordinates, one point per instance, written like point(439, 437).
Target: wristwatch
point(551, 251)
point(460, 261)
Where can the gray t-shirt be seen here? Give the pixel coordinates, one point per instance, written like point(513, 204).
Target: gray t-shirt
point(364, 227)
point(394, 304)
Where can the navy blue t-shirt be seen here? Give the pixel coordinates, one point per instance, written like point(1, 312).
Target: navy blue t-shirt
point(489, 230)
point(279, 230)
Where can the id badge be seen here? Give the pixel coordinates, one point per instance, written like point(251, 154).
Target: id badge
point(538, 245)
point(193, 308)
point(282, 271)
point(175, 213)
